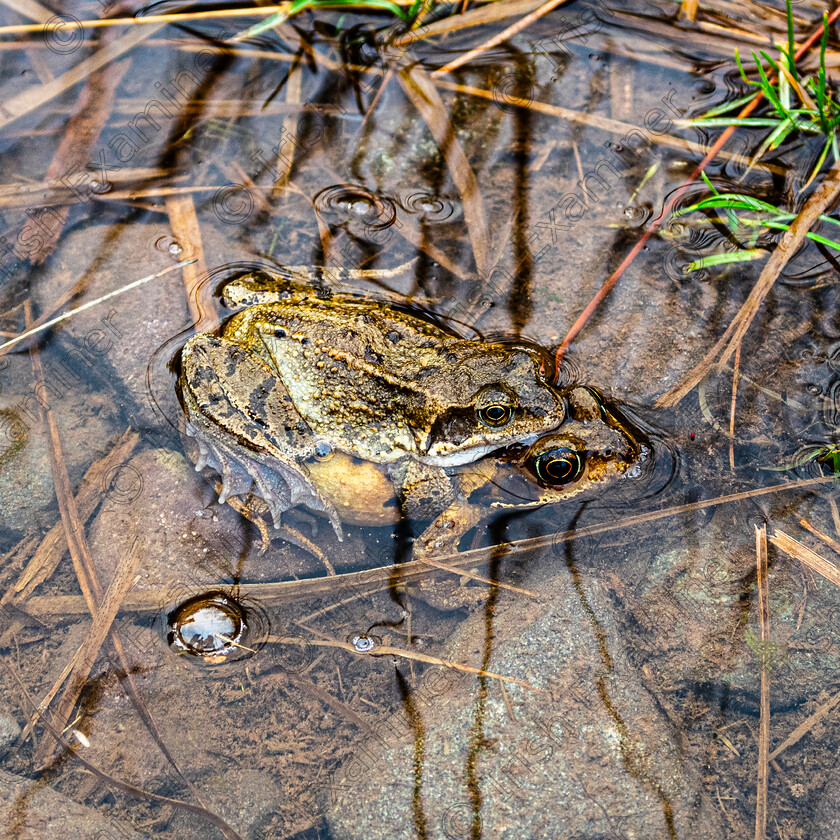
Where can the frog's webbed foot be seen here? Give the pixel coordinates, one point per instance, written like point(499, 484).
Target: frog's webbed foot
point(244, 428)
point(254, 510)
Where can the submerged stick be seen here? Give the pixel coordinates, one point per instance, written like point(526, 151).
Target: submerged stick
point(764, 721)
point(89, 304)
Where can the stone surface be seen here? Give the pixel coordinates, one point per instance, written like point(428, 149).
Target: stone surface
point(9, 732)
point(31, 811)
point(588, 755)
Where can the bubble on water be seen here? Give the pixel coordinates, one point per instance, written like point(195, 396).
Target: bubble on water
point(211, 626)
point(352, 202)
point(169, 245)
point(362, 643)
point(431, 208)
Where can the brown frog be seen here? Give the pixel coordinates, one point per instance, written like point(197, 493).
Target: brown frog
point(362, 411)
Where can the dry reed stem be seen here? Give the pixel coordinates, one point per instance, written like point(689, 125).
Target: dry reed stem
point(286, 160)
point(31, 9)
point(581, 118)
point(32, 98)
point(807, 725)
point(48, 555)
point(283, 592)
point(77, 670)
point(736, 367)
point(497, 39)
point(44, 321)
point(184, 223)
point(489, 13)
point(764, 720)
point(479, 578)
point(139, 22)
point(832, 543)
point(76, 149)
point(807, 556)
point(426, 99)
point(823, 197)
point(92, 592)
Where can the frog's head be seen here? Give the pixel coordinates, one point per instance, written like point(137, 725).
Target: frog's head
point(488, 400)
point(594, 447)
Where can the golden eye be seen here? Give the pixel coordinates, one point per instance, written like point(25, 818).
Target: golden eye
point(495, 416)
point(557, 466)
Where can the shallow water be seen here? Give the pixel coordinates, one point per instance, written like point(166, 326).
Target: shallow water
point(629, 686)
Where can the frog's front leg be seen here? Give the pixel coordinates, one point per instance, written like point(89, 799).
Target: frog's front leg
point(425, 493)
point(245, 429)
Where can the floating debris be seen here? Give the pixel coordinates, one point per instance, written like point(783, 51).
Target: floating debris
point(362, 643)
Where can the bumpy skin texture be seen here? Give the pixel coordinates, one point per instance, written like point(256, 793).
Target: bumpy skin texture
point(304, 372)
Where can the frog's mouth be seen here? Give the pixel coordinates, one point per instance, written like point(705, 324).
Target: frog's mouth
point(458, 459)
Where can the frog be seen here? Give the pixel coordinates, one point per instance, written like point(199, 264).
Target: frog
point(362, 410)
point(303, 371)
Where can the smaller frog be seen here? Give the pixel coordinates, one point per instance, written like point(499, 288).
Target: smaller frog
point(594, 448)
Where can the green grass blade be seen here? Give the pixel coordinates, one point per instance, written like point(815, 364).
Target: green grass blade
point(728, 106)
point(820, 161)
point(725, 122)
point(708, 183)
point(744, 72)
point(734, 201)
point(821, 78)
point(769, 92)
point(823, 240)
point(791, 50)
point(723, 259)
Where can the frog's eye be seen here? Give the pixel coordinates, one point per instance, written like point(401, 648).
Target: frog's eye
point(495, 416)
point(558, 466)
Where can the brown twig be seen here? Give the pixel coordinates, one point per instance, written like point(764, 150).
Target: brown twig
point(282, 592)
point(386, 650)
point(32, 98)
point(502, 36)
point(426, 99)
point(77, 670)
point(807, 725)
point(764, 721)
point(832, 543)
point(736, 366)
point(88, 580)
point(184, 223)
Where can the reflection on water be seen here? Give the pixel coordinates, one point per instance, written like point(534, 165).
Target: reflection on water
point(595, 667)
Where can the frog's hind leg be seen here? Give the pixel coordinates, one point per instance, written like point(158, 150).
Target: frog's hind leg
point(245, 430)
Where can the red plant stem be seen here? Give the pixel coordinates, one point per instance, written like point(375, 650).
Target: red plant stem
point(608, 284)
